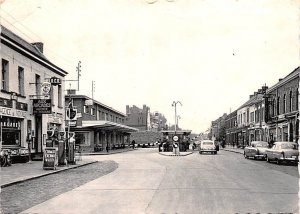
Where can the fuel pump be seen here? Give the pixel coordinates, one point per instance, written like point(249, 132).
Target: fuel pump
point(71, 148)
point(61, 149)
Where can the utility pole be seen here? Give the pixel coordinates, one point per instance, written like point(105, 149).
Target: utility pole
point(78, 68)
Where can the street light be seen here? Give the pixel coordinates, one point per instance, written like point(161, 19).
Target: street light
point(174, 104)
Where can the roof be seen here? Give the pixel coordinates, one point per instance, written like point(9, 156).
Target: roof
point(107, 125)
point(294, 73)
point(256, 98)
point(95, 101)
point(8, 37)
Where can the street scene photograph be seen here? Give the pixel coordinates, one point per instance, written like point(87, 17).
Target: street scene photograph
point(149, 106)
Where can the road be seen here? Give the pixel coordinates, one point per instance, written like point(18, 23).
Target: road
point(147, 182)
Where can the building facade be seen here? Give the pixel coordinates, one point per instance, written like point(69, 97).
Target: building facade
point(31, 96)
point(138, 118)
point(282, 101)
point(231, 128)
point(97, 126)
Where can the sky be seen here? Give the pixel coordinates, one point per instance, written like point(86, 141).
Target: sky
point(208, 54)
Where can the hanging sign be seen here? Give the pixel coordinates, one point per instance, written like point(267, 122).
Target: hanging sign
point(42, 106)
point(46, 88)
point(55, 81)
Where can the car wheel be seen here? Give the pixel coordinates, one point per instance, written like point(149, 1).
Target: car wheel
point(215, 152)
point(278, 162)
point(200, 153)
point(254, 157)
point(268, 160)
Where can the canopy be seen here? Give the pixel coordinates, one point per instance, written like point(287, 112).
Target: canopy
point(107, 125)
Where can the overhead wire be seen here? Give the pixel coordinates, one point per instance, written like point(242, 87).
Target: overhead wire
point(66, 61)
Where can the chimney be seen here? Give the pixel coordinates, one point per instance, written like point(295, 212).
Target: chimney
point(71, 92)
point(251, 96)
point(39, 46)
point(280, 79)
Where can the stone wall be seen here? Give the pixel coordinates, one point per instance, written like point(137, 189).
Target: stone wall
point(145, 137)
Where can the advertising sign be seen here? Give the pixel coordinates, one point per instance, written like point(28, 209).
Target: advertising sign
point(46, 88)
point(72, 123)
point(55, 81)
point(50, 158)
point(42, 106)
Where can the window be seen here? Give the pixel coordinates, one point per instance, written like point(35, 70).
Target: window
point(37, 84)
point(21, 80)
point(92, 111)
point(252, 117)
point(98, 115)
point(284, 104)
point(85, 109)
point(4, 77)
point(274, 107)
point(106, 116)
point(256, 116)
point(291, 101)
point(59, 93)
point(278, 105)
point(297, 104)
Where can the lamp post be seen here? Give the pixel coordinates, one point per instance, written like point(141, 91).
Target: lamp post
point(174, 104)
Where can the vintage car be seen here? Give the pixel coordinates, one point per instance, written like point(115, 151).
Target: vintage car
point(256, 150)
point(283, 152)
point(207, 146)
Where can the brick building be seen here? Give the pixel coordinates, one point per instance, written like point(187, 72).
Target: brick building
point(98, 126)
point(26, 113)
point(283, 108)
point(231, 128)
point(138, 118)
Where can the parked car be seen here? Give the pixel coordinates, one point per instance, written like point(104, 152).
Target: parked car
point(207, 146)
point(256, 150)
point(283, 152)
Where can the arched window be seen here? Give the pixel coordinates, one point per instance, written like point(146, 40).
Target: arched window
point(291, 101)
point(278, 105)
point(284, 104)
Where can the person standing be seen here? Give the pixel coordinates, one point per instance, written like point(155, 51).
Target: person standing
point(133, 144)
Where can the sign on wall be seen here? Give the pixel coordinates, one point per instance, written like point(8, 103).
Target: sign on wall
point(42, 106)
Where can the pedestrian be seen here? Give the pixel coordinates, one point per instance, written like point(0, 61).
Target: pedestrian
point(133, 144)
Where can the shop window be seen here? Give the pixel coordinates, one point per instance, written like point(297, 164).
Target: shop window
point(82, 138)
point(5, 75)
point(21, 80)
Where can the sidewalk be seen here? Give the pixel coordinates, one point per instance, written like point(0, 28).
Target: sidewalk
point(19, 172)
point(233, 149)
point(109, 152)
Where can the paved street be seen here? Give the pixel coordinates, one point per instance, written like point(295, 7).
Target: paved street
point(147, 182)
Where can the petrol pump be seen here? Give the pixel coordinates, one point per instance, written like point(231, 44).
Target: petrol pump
point(50, 158)
point(71, 148)
point(61, 149)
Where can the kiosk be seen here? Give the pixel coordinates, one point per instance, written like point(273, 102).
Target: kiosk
point(180, 140)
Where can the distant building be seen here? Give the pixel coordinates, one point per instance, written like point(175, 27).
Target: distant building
point(138, 118)
point(98, 126)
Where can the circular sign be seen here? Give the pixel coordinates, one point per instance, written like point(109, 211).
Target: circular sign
point(46, 87)
point(175, 138)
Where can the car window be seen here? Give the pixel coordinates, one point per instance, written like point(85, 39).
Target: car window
point(207, 143)
point(289, 146)
point(262, 145)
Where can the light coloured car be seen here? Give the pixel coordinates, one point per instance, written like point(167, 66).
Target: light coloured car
point(207, 146)
point(256, 150)
point(283, 152)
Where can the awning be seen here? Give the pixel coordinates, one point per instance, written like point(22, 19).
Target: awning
point(107, 125)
